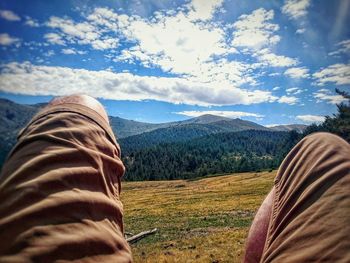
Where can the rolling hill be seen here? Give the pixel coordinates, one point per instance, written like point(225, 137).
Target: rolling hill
point(289, 127)
point(132, 135)
point(126, 128)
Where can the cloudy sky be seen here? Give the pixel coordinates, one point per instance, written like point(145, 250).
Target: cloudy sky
point(271, 62)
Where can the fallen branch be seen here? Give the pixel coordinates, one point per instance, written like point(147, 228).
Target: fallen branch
point(141, 235)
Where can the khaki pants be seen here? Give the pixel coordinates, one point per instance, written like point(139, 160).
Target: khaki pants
point(310, 219)
point(59, 191)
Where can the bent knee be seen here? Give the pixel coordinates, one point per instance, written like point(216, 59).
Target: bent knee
point(81, 99)
point(325, 137)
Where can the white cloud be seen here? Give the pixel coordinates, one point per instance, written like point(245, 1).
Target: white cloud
point(300, 31)
point(105, 17)
point(274, 125)
point(254, 30)
point(72, 51)
point(297, 73)
point(344, 47)
point(68, 51)
point(324, 95)
point(295, 9)
point(291, 100)
point(31, 22)
point(55, 39)
point(290, 90)
point(185, 42)
point(338, 74)
point(311, 118)
point(49, 53)
point(26, 78)
point(294, 91)
point(82, 33)
point(9, 15)
point(203, 10)
point(6, 39)
point(324, 91)
point(276, 88)
point(175, 44)
point(269, 59)
point(227, 114)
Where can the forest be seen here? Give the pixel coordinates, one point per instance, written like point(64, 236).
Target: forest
point(212, 154)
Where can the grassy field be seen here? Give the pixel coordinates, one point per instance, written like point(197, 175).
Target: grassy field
point(203, 220)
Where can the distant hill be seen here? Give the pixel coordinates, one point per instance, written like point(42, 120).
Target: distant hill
point(178, 133)
point(187, 130)
point(132, 135)
point(291, 127)
point(227, 124)
point(13, 117)
point(205, 119)
point(126, 128)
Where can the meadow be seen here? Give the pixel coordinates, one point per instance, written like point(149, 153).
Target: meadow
point(202, 220)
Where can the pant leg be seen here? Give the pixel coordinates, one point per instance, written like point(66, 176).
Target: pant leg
point(59, 191)
point(311, 212)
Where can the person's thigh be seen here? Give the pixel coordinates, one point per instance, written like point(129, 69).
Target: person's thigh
point(60, 188)
point(310, 211)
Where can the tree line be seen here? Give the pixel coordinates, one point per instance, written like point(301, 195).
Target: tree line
point(244, 151)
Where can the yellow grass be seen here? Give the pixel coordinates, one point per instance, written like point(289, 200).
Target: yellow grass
point(205, 220)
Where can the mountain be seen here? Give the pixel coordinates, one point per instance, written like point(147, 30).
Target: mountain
point(132, 135)
point(126, 128)
point(289, 127)
point(205, 119)
point(13, 117)
point(178, 133)
point(186, 130)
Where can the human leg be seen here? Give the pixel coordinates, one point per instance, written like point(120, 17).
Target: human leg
point(60, 188)
point(310, 210)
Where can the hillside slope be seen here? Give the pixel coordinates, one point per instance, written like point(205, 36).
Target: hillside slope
point(13, 117)
point(289, 127)
point(205, 220)
point(126, 128)
point(212, 154)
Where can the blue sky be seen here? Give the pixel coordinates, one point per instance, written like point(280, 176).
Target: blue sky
point(271, 62)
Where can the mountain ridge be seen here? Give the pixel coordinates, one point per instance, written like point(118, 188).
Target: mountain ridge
point(289, 127)
point(14, 116)
point(205, 134)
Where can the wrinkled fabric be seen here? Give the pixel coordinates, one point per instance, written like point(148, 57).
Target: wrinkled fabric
point(310, 219)
point(59, 191)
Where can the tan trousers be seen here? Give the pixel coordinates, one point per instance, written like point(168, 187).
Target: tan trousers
point(59, 191)
point(310, 219)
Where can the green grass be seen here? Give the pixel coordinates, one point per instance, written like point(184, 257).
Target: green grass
point(205, 220)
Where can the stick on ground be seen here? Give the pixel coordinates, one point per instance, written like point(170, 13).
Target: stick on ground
point(141, 235)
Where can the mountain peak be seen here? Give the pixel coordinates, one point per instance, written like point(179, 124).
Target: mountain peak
point(289, 127)
point(207, 118)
